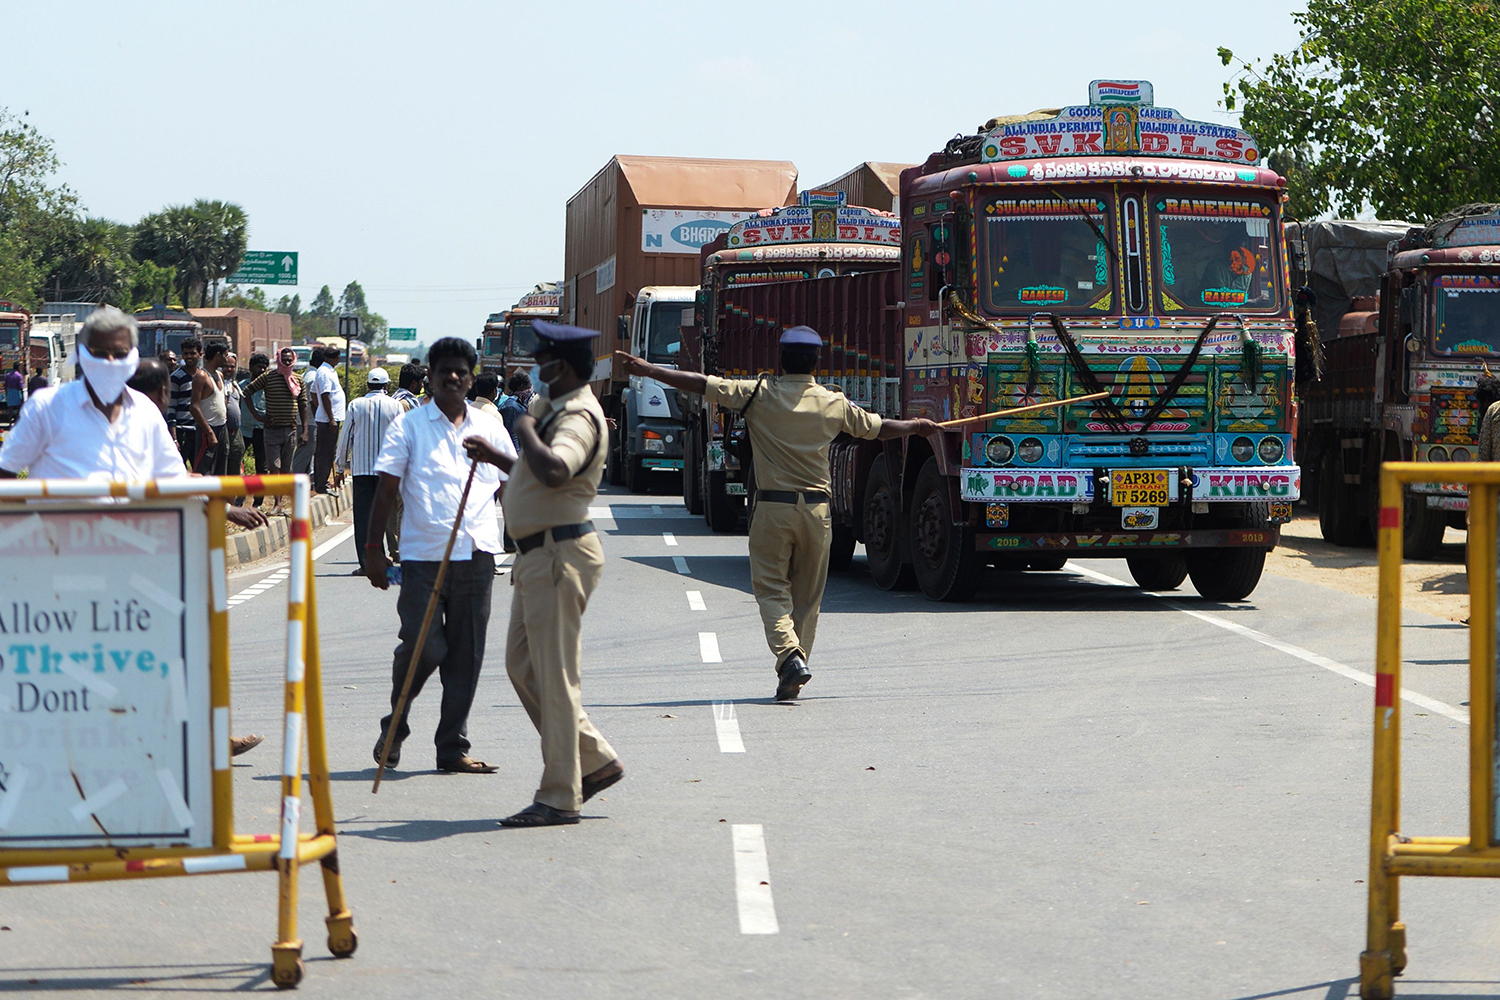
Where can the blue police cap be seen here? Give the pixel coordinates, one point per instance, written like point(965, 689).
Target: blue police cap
point(801, 336)
point(562, 333)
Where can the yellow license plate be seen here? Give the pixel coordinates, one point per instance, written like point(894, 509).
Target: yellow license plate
point(1139, 487)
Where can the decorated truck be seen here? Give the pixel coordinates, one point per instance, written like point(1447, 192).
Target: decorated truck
point(1399, 368)
point(15, 331)
point(509, 340)
point(1114, 247)
point(792, 261)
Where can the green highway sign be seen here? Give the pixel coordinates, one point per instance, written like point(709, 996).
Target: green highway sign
point(266, 267)
point(402, 333)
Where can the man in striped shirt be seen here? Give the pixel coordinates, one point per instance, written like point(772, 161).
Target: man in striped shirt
point(181, 419)
point(358, 447)
point(285, 411)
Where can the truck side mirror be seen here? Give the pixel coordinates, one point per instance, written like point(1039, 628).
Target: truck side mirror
point(479, 344)
point(622, 327)
point(1410, 307)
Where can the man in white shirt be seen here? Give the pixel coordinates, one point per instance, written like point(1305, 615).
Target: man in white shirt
point(360, 440)
point(424, 460)
point(328, 404)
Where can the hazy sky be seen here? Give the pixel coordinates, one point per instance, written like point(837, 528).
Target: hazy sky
point(427, 149)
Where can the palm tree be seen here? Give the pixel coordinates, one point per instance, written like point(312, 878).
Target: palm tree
point(203, 242)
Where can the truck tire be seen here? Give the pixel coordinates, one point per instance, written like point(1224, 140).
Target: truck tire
point(1422, 527)
point(1164, 572)
point(841, 550)
point(637, 476)
point(720, 510)
point(1339, 517)
point(884, 548)
point(943, 557)
point(692, 486)
point(1223, 575)
point(1047, 564)
point(614, 465)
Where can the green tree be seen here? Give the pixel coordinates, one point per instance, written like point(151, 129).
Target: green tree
point(89, 260)
point(20, 275)
point(202, 242)
point(250, 297)
point(291, 305)
point(150, 285)
point(322, 304)
point(1387, 104)
point(353, 299)
point(34, 210)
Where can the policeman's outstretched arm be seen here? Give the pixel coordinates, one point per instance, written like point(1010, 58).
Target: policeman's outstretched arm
point(904, 428)
point(694, 382)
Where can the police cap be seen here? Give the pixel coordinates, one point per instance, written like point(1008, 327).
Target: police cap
point(562, 334)
point(801, 336)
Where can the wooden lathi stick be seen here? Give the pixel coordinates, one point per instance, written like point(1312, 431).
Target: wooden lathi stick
point(1022, 409)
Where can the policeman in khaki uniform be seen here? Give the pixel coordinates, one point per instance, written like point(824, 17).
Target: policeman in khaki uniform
point(562, 440)
point(793, 421)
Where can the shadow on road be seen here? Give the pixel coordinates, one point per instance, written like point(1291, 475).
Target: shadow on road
point(213, 978)
point(419, 831)
point(1348, 989)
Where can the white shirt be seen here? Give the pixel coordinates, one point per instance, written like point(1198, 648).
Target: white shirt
point(363, 433)
point(62, 435)
point(426, 450)
point(325, 379)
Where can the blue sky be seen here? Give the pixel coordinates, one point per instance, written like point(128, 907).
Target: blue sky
point(427, 150)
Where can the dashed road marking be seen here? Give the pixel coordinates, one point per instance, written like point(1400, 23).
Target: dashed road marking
point(752, 880)
point(1305, 655)
point(280, 576)
point(708, 646)
point(695, 601)
point(669, 538)
point(728, 728)
point(681, 565)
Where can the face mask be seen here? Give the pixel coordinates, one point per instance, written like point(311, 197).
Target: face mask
point(106, 376)
point(540, 385)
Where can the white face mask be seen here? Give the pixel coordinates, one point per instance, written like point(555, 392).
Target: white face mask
point(539, 384)
point(106, 376)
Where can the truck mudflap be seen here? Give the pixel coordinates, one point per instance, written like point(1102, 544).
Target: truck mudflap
point(1124, 542)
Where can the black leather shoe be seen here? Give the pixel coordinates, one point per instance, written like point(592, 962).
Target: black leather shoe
point(395, 757)
point(793, 674)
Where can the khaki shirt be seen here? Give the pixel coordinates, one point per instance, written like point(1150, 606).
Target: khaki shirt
point(571, 425)
point(792, 423)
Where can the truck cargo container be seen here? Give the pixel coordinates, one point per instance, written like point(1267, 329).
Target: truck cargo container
point(780, 262)
point(1400, 363)
point(1114, 247)
point(872, 184)
point(640, 222)
point(248, 330)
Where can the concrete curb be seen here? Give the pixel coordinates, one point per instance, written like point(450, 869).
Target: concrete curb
point(250, 546)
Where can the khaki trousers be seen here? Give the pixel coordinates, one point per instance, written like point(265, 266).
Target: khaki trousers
point(542, 652)
point(788, 570)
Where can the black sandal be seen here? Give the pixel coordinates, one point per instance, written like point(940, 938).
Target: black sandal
point(601, 779)
point(467, 765)
point(541, 814)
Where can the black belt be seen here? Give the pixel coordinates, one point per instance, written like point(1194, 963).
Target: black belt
point(790, 496)
point(561, 533)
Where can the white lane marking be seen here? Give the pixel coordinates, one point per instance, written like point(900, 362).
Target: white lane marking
point(280, 576)
point(681, 565)
point(695, 601)
point(752, 880)
point(669, 538)
point(708, 646)
point(1305, 655)
point(728, 728)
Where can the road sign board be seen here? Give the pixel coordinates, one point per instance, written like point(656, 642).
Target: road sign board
point(402, 333)
point(266, 267)
point(349, 327)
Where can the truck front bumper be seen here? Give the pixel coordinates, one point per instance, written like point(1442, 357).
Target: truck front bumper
point(1107, 543)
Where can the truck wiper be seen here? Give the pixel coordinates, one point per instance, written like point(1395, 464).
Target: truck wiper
point(1089, 218)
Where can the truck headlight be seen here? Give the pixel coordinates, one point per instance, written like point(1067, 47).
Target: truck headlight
point(1242, 448)
point(1030, 451)
point(998, 450)
point(1437, 453)
point(1271, 450)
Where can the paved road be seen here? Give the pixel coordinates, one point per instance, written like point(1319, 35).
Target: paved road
point(1065, 789)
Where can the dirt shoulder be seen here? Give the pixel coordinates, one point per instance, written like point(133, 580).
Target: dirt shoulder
point(1437, 586)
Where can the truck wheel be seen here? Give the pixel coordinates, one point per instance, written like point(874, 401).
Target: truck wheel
point(947, 566)
point(1157, 572)
point(1422, 527)
point(614, 465)
point(1048, 564)
point(720, 510)
point(692, 488)
point(841, 551)
point(1225, 574)
point(882, 522)
point(1339, 518)
point(637, 476)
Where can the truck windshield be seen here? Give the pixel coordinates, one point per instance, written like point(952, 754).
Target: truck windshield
point(1214, 255)
point(494, 345)
point(522, 339)
point(1042, 255)
point(664, 332)
point(10, 336)
point(1466, 315)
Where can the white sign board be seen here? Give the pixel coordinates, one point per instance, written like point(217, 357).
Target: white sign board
point(104, 676)
point(684, 230)
point(604, 276)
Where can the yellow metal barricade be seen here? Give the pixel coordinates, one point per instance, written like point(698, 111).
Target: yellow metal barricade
point(227, 851)
point(1392, 853)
